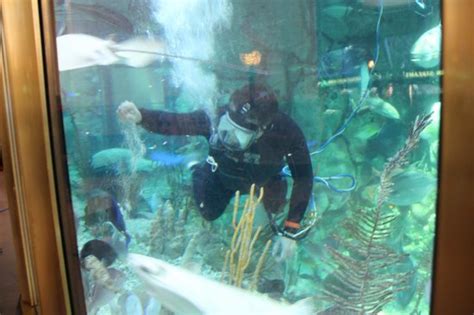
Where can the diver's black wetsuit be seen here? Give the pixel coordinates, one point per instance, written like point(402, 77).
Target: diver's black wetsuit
point(261, 163)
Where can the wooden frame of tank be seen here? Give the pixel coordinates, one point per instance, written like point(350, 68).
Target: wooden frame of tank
point(30, 184)
point(454, 253)
point(48, 265)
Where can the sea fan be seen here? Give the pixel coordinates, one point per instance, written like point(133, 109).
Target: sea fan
point(364, 278)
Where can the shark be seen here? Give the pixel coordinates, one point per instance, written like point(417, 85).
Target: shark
point(187, 293)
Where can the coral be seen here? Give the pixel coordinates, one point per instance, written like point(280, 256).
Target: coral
point(157, 233)
point(260, 264)
point(190, 251)
point(239, 255)
point(99, 273)
point(167, 233)
point(364, 277)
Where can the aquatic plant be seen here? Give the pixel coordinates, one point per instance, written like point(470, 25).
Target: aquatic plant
point(239, 255)
point(364, 279)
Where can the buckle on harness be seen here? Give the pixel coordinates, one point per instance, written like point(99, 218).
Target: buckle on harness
point(214, 165)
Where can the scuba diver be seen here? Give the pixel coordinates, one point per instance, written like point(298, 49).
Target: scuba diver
point(251, 143)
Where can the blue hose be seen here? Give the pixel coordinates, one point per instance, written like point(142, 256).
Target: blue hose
point(327, 180)
point(341, 130)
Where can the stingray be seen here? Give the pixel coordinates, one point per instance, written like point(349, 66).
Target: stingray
point(76, 51)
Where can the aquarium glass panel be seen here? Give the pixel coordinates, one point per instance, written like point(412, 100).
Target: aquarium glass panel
point(252, 156)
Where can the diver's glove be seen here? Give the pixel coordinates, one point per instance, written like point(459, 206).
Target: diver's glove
point(285, 244)
point(284, 248)
point(129, 113)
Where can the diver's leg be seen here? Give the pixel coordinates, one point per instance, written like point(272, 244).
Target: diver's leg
point(209, 194)
point(274, 194)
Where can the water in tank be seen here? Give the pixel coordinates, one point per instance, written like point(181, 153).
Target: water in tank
point(252, 156)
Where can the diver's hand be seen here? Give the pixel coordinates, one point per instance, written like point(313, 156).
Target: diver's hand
point(283, 248)
point(129, 113)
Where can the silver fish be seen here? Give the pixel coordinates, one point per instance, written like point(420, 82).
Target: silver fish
point(426, 52)
point(381, 107)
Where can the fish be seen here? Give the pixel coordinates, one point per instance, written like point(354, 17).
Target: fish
point(342, 62)
point(77, 51)
point(102, 208)
point(367, 130)
point(139, 52)
point(387, 140)
point(184, 292)
point(118, 161)
point(408, 188)
point(337, 11)
point(164, 158)
point(381, 107)
point(168, 159)
point(411, 187)
point(426, 51)
point(386, 3)
point(115, 238)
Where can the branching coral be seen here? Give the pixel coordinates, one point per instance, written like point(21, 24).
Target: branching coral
point(167, 233)
point(239, 255)
point(99, 272)
point(364, 277)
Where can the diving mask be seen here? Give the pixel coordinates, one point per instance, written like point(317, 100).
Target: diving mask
point(234, 136)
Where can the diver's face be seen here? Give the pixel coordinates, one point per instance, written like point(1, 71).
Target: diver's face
point(233, 136)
